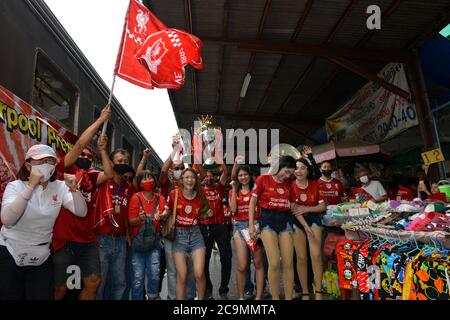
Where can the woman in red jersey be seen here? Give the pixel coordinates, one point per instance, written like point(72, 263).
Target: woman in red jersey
point(273, 195)
point(310, 206)
point(189, 239)
point(239, 199)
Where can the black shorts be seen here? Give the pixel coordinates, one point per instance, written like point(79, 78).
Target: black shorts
point(84, 255)
point(278, 221)
point(311, 218)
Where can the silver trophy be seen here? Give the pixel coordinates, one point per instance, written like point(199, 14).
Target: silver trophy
point(207, 135)
point(183, 138)
point(209, 138)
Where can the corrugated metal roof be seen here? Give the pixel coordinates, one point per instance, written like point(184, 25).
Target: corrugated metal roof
point(281, 85)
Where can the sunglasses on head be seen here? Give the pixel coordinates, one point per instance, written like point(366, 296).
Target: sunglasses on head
point(87, 155)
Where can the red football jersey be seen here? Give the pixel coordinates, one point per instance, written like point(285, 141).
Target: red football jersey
point(440, 196)
point(332, 191)
point(109, 222)
point(135, 209)
point(309, 196)
point(243, 204)
point(69, 227)
point(188, 211)
point(403, 193)
point(215, 200)
point(271, 194)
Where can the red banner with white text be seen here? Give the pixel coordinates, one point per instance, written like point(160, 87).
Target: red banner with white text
point(22, 126)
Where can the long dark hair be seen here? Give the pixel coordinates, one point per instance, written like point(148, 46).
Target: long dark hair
point(247, 169)
point(286, 162)
point(308, 167)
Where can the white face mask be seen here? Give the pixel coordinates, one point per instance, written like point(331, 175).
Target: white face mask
point(177, 174)
point(46, 169)
point(364, 179)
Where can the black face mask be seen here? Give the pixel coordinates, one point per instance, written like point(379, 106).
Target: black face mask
point(327, 173)
point(121, 168)
point(83, 163)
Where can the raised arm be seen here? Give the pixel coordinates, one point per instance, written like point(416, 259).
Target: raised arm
point(224, 176)
point(168, 163)
point(108, 171)
point(86, 137)
point(239, 160)
point(315, 174)
point(145, 156)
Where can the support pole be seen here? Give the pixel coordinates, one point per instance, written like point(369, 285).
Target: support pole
point(423, 109)
point(105, 124)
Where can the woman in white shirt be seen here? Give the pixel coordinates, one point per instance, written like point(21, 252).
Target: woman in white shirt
point(374, 188)
point(30, 206)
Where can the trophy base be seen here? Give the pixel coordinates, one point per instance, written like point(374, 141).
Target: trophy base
point(209, 163)
point(186, 159)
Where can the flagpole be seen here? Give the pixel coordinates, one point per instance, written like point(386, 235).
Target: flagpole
point(105, 124)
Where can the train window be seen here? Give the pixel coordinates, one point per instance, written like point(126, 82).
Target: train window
point(54, 93)
point(128, 146)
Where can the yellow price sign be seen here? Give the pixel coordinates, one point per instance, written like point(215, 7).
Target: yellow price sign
point(433, 156)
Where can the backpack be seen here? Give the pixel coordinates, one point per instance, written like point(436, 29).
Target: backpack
point(147, 238)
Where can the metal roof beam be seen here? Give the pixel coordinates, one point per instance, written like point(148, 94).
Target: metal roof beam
point(321, 50)
point(370, 76)
point(363, 41)
point(300, 133)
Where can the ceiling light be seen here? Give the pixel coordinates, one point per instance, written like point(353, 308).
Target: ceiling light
point(245, 85)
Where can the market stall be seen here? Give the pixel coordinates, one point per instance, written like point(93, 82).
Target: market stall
point(396, 250)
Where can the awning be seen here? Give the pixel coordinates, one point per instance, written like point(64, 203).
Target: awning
point(329, 151)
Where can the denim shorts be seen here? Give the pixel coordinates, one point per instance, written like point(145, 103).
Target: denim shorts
point(84, 255)
point(188, 240)
point(276, 221)
point(240, 225)
point(310, 219)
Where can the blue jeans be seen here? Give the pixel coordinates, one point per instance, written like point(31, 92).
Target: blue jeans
point(112, 262)
point(172, 274)
point(145, 265)
point(128, 275)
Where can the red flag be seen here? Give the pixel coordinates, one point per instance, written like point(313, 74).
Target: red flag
point(139, 24)
point(166, 53)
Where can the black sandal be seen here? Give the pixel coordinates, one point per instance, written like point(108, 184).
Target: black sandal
point(318, 292)
point(306, 295)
